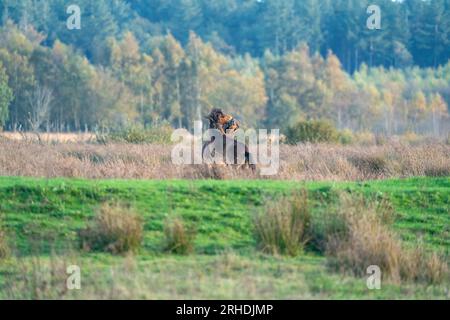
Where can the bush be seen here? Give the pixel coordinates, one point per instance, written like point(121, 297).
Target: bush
point(4, 247)
point(434, 169)
point(312, 131)
point(115, 229)
point(282, 226)
point(365, 239)
point(39, 278)
point(138, 135)
point(411, 138)
point(178, 238)
point(370, 164)
point(365, 138)
point(346, 137)
point(417, 264)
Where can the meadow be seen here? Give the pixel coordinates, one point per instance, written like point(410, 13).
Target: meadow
point(42, 219)
point(23, 155)
point(88, 181)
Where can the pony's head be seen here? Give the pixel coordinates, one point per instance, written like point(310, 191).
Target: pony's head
point(221, 121)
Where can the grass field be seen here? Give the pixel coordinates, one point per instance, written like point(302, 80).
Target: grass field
point(42, 218)
point(304, 162)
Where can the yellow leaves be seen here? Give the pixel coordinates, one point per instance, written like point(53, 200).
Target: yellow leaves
point(333, 61)
point(16, 40)
point(438, 105)
point(419, 102)
point(130, 47)
point(60, 51)
point(388, 98)
point(373, 92)
point(336, 78)
point(240, 94)
point(125, 54)
point(172, 51)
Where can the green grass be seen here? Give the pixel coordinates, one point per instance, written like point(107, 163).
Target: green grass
point(43, 215)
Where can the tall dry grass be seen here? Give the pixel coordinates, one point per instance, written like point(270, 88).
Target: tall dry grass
point(354, 235)
point(116, 229)
point(49, 137)
point(303, 162)
point(364, 238)
point(223, 276)
point(179, 239)
point(4, 245)
point(38, 279)
point(282, 226)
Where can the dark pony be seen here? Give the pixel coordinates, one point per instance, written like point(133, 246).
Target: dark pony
point(226, 125)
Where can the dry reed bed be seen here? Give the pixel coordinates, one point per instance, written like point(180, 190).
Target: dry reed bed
point(48, 137)
point(303, 162)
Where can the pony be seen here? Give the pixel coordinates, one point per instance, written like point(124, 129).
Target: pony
point(227, 126)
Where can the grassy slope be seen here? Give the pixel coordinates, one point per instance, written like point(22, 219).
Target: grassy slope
point(46, 213)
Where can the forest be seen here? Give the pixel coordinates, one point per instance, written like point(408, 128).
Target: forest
point(350, 201)
point(269, 62)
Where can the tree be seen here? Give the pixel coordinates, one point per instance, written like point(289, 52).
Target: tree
point(339, 89)
point(439, 110)
point(187, 17)
point(40, 102)
point(6, 96)
point(418, 109)
point(173, 56)
point(135, 70)
point(15, 55)
point(111, 99)
point(295, 90)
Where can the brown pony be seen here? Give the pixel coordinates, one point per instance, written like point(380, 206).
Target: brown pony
point(227, 125)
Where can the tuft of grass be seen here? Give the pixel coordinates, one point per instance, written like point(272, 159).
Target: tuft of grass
point(419, 265)
point(4, 246)
point(437, 170)
point(214, 172)
point(282, 226)
point(116, 229)
point(365, 238)
point(178, 238)
point(370, 164)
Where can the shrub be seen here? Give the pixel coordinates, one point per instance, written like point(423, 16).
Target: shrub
point(322, 226)
point(365, 242)
point(346, 137)
point(417, 264)
point(38, 278)
point(366, 239)
point(138, 135)
point(214, 172)
point(435, 169)
point(370, 164)
point(4, 247)
point(411, 138)
point(312, 131)
point(115, 229)
point(178, 238)
point(282, 226)
point(365, 138)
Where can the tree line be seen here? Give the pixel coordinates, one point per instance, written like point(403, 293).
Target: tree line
point(413, 32)
point(132, 64)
